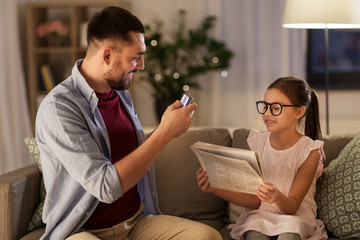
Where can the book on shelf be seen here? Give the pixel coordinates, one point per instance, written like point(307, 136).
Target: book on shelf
point(41, 83)
point(47, 77)
point(233, 169)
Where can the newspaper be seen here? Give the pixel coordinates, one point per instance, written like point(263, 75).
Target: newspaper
point(228, 168)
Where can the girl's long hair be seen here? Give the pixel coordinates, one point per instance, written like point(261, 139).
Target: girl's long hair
point(300, 93)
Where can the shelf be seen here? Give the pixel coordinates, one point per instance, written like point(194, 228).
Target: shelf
point(47, 50)
point(58, 56)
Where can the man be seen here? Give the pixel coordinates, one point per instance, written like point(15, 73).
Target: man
point(97, 165)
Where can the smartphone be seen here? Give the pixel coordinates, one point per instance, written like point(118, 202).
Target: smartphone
point(186, 99)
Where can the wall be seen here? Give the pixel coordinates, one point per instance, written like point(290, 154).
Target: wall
point(344, 113)
point(220, 105)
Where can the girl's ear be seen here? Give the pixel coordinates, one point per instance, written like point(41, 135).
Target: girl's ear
point(300, 112)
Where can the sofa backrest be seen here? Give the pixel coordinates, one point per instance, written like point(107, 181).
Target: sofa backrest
point(333, 144)
point(239, 138)
point(176, 166)
point(177, 187)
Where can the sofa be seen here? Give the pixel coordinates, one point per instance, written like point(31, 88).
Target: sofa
point(178, 192)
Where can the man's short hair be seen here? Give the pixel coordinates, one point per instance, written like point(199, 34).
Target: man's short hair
point(113, 23)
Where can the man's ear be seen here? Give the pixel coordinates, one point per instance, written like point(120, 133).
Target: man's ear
point(107, 54)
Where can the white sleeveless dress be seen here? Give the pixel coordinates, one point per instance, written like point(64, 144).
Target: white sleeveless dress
point(280, 168)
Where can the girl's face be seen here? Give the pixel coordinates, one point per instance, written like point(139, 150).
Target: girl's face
point(289, 115)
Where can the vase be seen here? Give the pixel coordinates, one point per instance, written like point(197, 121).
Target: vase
point(160, 107)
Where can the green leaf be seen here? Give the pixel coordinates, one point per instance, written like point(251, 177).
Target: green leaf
point(188, 53)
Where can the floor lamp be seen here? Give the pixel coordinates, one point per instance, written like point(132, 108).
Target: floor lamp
point(323, 14)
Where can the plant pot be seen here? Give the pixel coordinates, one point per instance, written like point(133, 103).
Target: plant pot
point(160, 107)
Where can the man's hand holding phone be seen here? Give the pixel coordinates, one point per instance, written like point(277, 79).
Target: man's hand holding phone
point(177, 117)
point(186, 99)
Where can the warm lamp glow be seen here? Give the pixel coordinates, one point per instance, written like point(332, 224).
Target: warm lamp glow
point(320, 14)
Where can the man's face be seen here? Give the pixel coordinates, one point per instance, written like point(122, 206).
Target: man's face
point(126, 62)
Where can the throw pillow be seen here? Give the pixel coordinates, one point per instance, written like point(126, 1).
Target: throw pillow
point(338, 193)
point(36, 219)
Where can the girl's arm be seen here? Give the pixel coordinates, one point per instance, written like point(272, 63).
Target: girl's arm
point(302, 182)
point(238, 198)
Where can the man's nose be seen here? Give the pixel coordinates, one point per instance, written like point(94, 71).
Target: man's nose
point(140, 64)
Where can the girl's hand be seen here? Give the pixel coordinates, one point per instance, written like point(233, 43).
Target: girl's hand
point(267, 192)
point(203, 182)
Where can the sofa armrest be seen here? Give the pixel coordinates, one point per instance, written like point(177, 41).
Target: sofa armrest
point(19, 197)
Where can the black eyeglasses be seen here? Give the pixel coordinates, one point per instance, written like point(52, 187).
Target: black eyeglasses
point(275, 108)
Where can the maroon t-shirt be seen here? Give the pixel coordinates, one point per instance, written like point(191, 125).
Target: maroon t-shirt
point(122, 142)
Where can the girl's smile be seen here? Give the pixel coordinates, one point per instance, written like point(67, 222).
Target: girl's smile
point(268, 121)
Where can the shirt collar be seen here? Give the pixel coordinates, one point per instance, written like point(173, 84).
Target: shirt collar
point(83, 86)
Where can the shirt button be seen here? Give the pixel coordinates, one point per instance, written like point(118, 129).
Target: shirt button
point(87, 213)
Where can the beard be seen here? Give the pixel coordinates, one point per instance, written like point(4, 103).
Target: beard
point(119, 83)
point(122, 83)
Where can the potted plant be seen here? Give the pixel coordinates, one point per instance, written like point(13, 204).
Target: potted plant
point(172, 66)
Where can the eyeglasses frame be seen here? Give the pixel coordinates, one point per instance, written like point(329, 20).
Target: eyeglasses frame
point(270, 104)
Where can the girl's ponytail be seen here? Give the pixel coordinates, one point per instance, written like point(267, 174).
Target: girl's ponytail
point(312, 121)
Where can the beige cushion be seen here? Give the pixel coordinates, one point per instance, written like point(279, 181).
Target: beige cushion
point(36, 234)
point(239, 141)
point(177, 187)
point(240, 138)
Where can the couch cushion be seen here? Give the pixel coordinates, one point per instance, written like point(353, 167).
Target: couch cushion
point(177, 187)
point(36, 219)
point(333, 144)
point(338, 193)
point(36, 234)
point(239, 140)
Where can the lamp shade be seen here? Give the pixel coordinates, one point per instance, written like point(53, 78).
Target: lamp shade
point(313, 14)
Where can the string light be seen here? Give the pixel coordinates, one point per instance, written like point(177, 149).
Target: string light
point(215, 59)
point(153, 43)
point(167, 71)
point(157, 77)
point(224, 74)
point(176, 75)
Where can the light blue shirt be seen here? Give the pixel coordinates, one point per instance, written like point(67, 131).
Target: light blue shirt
point(75, 156)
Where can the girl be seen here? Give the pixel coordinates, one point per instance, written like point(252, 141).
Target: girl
point(284, 206)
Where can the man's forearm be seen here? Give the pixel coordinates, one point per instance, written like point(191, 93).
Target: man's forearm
point(134, 166)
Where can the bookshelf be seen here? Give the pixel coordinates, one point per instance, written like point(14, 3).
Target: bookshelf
point(58, 54)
